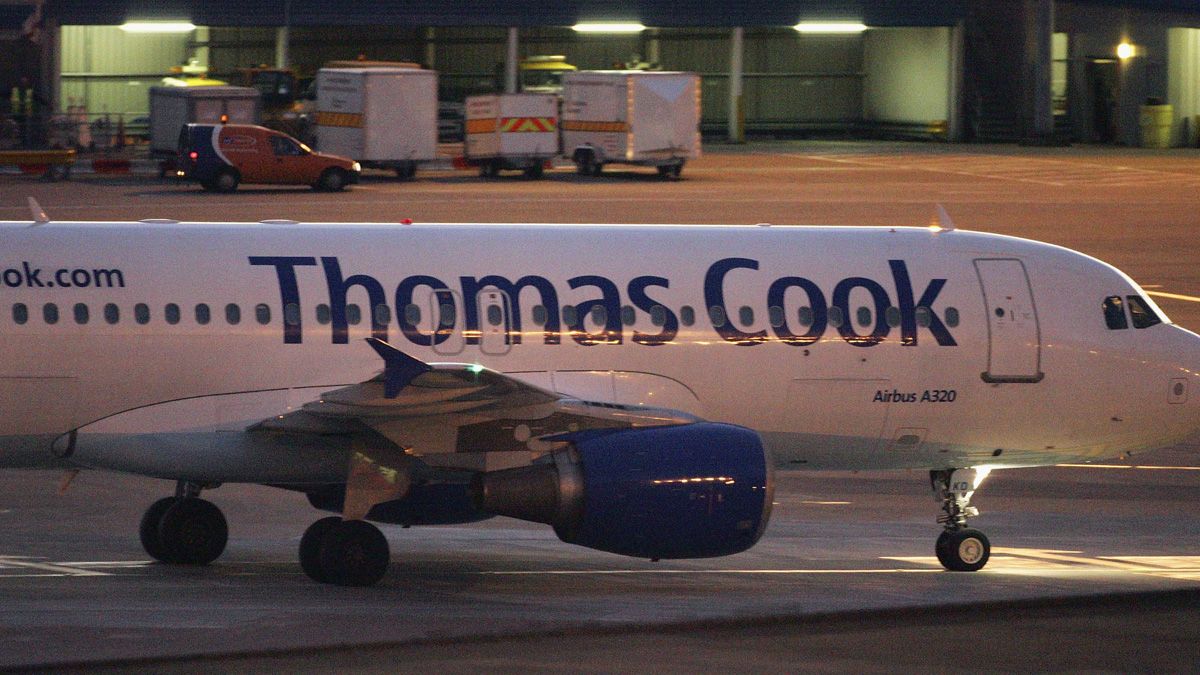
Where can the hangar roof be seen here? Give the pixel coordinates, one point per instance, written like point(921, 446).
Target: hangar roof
point(659, 13)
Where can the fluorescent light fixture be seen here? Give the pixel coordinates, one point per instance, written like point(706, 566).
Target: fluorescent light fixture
point(158, 27)
point(830, 27)
point(600, 27)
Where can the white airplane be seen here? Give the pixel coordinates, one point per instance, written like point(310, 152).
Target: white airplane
point(632, 386)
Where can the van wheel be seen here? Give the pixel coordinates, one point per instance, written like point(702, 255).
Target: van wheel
point(332, 180)
point(208, 185)
point(226, 181)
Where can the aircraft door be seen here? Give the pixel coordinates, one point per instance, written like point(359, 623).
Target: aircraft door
point(1014, 339)
point(495, 321)
point(444, 313)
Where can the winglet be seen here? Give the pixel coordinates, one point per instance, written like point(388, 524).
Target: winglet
point(39, 216)
point(943, 221)
point(399, 369)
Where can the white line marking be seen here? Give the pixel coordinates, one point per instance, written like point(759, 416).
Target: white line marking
point(6, 561)
point(1172, 296)
point(681, 571)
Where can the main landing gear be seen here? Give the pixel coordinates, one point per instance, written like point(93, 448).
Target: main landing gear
point(344, 552)
point(184, 529)
point(959, 548)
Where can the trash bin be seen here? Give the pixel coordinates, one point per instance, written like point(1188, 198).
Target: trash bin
point(1156, 122)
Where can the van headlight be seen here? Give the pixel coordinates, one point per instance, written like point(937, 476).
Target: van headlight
point(356, 167)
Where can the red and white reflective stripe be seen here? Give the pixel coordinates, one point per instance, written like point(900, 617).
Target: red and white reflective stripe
point(535, 124)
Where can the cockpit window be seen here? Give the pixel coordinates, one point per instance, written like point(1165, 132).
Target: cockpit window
point(1114, 313)
point(1141, 312)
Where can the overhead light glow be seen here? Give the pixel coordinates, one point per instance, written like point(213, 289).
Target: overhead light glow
point(830, 27)
point(1125, 51)
point(599, 27)
point(158, 27)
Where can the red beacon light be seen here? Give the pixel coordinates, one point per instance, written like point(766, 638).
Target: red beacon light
point(406, 221)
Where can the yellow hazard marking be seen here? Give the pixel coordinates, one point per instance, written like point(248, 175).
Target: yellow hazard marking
point(582, 125)
point(335, 119)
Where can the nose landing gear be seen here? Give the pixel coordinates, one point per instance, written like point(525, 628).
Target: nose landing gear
point(959, 548)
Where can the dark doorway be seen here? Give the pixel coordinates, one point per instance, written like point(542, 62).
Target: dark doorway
point(1103, 81)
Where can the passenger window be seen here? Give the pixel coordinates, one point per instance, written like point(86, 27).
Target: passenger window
point(323, 314)
point(687, 315)
point(412, 314)
point(539, 315)
point(141, 313)
point(262, 314)
point(291, 314)
point(495, 316)
point(20, 313)
point(1141, 313)
point(746, 316)
point(50, 313)
point(775, 315)
point(170, 313)
point(81, 313)
point(570, 315)
point(353, 315)
point(383, 315)
point(864, 316)
point(628, 317)
point(449, 315)
point(716, 314)
point(1114, 313)
point(924, 317)
point(892, 316)
point(951, 317)
point(658, 315)
point(233, 314)
point(599, 316)
point(836, 317)
point(203, 315)
point(112, 313)
point(805, 316)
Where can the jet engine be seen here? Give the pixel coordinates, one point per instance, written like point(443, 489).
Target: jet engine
point(688, 491)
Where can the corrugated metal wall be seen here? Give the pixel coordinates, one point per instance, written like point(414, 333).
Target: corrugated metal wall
point(111, 70)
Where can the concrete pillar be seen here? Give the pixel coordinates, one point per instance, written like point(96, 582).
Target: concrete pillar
point(737, 114)
point(511, 57)
point(430, 49)
point(954, 122)
point(51, 65)
point(1039, 32)
point(281, 47)
point(652, 52)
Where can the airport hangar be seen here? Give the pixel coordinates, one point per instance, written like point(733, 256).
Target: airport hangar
point(985, 70)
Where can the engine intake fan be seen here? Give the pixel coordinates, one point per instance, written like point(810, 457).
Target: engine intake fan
point(687, 491)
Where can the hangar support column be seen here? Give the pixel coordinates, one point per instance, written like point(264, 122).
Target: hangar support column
point(1039, 32)
point(511, 57)
point(737, 114)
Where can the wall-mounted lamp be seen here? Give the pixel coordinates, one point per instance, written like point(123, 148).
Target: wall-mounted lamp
point(158, 27)
point(1126, 51)
point(830, 27)
point(602, 27)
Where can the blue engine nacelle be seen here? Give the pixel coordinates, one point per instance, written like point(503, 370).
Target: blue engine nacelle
point(690, 491)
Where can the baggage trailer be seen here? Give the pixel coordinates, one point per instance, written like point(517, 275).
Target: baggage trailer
point(172, 108)
point(383, 116)
point(647, 118)
point(511, 131)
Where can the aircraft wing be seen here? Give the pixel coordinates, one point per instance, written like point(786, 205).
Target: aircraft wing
point(438, 409)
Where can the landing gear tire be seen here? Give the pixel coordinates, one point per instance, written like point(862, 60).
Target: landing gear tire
point(190, 531)
point(149, 528)
point(348, 552)
point(310, 548)
point(965, 550)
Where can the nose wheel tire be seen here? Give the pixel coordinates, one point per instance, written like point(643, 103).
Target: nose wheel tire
point(344, 552)
point(184, 531)
point(965, 550)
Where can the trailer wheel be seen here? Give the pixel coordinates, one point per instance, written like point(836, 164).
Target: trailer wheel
point(490, 168)
point(406, 171)
point(534, 171)
point(586, 164)
point(671, 171)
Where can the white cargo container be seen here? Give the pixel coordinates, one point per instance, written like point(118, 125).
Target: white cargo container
point(649, 118)
point(382, 116)
point(511, 131)
point(173, 107)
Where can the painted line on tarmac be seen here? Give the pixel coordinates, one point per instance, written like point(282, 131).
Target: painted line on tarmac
point(683, 571)
point(1173, 296)
point(1143, 467)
